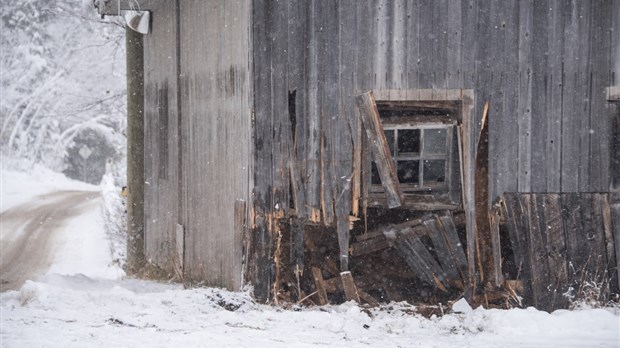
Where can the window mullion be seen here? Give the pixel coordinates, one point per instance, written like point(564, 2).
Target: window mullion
point(421, 162)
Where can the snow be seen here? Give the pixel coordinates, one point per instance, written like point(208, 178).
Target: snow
point(18, 186)
point(84, 301)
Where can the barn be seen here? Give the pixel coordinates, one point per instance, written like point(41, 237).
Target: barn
point(383, 150)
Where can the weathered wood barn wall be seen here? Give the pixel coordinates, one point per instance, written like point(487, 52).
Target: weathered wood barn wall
point(543, 66)
point(250, 110)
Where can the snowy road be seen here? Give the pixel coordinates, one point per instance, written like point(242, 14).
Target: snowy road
point(28, 233)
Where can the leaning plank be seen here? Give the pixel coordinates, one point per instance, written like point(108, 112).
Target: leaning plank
point(366, 297)
point(336, 284)
point(369, 246)
point(380, 150)
point(444, 256)
point(320, 285)
point(391, 227)
point(454, 245)
point(417, 255)
point(350, 290)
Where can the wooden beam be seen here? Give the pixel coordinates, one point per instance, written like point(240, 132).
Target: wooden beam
point(379, 148)
point(369, 246)
point(454, 245)
point(350, 290)
point(319, 283)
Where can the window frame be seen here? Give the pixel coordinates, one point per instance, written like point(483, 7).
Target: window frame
point(459, 102)
point(421, 156)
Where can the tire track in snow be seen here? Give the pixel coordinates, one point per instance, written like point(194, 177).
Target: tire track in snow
point(28, 232)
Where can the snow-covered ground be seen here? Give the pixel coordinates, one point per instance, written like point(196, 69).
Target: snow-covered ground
point(84, 301)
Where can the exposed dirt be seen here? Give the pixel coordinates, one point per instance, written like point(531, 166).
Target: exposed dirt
point(28, 232)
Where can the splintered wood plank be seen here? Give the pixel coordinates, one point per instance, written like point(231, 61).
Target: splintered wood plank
point(483, 237)
point(538, 255)
point(297, 240)
point(453, 242)
point(350, 290)
point(556, 248)
point(446, 260)
point(342, 229)
point(369, 246)
point(366, 297)
point(380, 149)
point(494, 219)
point(419, 258)
point(612, 256)
point(319, 283)
point(404, 248)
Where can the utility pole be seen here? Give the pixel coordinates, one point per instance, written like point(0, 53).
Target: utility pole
point(135, 152)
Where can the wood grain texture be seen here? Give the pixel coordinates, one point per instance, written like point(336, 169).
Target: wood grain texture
point(380, 149)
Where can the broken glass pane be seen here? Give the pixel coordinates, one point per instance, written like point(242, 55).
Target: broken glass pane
point(374, 175)
point(408, 172)
point(435, 141)
point(389, 136)
point(408, 141)
point(434, 171)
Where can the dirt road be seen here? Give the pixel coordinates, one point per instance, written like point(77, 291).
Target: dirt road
point(28, 231)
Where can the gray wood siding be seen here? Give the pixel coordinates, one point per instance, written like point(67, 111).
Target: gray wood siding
point(197, 137)
point(542, 65)
point(161, 141)
point(215, 104)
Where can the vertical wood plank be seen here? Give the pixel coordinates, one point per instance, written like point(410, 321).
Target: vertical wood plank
point(554, 98)
point(541, 286)
point(446, 260)
point(556, 249)
point(454, 245)
point(571, 111)
point(612, 256)
point(524, 104)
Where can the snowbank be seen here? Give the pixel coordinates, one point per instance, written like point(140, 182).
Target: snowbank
point(76, 311)
point(19, 185)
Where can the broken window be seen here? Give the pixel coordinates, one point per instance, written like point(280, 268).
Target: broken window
point(422, 140)
point(420, 154)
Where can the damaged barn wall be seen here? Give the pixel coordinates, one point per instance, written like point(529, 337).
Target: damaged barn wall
point(542, 65)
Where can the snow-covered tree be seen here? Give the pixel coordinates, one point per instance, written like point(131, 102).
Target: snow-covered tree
point(62, 79)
